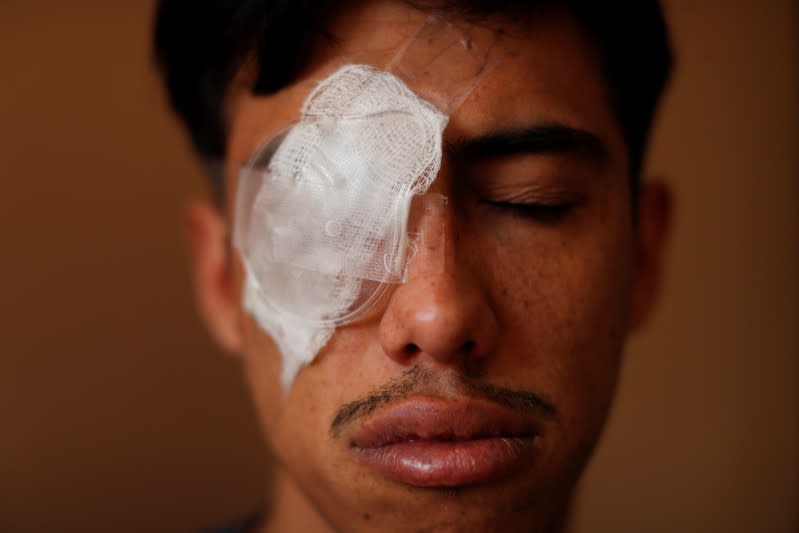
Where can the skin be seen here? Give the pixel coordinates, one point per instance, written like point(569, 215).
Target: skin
point(523, 302)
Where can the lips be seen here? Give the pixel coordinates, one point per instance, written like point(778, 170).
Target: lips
point(431, 442)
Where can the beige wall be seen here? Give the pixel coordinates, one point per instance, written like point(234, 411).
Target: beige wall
point(704, 436)
point(116, 413)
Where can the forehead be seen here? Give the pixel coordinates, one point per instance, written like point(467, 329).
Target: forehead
point(544, 71)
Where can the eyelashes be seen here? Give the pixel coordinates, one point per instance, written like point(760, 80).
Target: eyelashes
point(546, 213)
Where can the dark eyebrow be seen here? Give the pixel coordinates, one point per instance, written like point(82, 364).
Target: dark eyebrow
point(545, 138)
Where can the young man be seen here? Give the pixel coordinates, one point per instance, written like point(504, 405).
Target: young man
point(470, 397)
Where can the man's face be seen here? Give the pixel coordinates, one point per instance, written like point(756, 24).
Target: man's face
point(473, 400)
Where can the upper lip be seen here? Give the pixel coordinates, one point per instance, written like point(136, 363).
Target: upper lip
point(437, 419)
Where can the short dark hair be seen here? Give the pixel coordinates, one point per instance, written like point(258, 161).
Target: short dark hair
point(200, 45)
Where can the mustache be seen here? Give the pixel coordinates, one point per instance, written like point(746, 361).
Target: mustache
point(421, 380)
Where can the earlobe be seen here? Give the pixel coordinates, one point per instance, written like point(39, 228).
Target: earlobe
point(207, 233)
point(655, 210)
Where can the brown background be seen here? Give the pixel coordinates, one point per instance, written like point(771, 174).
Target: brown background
point(117, 413)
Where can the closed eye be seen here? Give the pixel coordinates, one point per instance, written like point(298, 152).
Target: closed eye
point(539, 212)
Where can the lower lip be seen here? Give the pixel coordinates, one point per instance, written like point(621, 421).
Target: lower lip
point(449, 463)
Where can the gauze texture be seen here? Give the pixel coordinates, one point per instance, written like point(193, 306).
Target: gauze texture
point(322, 222)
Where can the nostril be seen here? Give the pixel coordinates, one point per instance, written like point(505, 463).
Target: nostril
point(411, 349)
point(468, 347)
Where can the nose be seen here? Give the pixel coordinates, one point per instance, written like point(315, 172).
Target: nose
point(441, 313)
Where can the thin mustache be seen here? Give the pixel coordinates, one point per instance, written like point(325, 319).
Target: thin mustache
point(420, 380)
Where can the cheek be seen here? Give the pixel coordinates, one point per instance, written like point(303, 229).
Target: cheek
point(287, 418)
point(303, 405)
point(296, 422)
point(262, 363)
point(563, 302)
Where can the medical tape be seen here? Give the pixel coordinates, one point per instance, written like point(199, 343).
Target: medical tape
point(446, 61)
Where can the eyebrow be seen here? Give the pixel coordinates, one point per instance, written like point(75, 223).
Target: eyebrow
point(537, 139)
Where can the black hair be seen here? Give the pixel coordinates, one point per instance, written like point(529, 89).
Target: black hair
point(200, 45)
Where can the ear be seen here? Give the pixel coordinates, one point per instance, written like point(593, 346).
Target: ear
point(654, 223)
point(207, 234)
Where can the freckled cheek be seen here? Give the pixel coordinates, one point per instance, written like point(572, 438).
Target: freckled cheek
point(341, 361)
point(282, 414)
point(334, 378)
point(564, 308)
point(592, 335)
point(301, 430)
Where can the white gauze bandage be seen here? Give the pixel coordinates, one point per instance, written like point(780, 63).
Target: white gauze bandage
point(323, 209)
point(322, 219)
